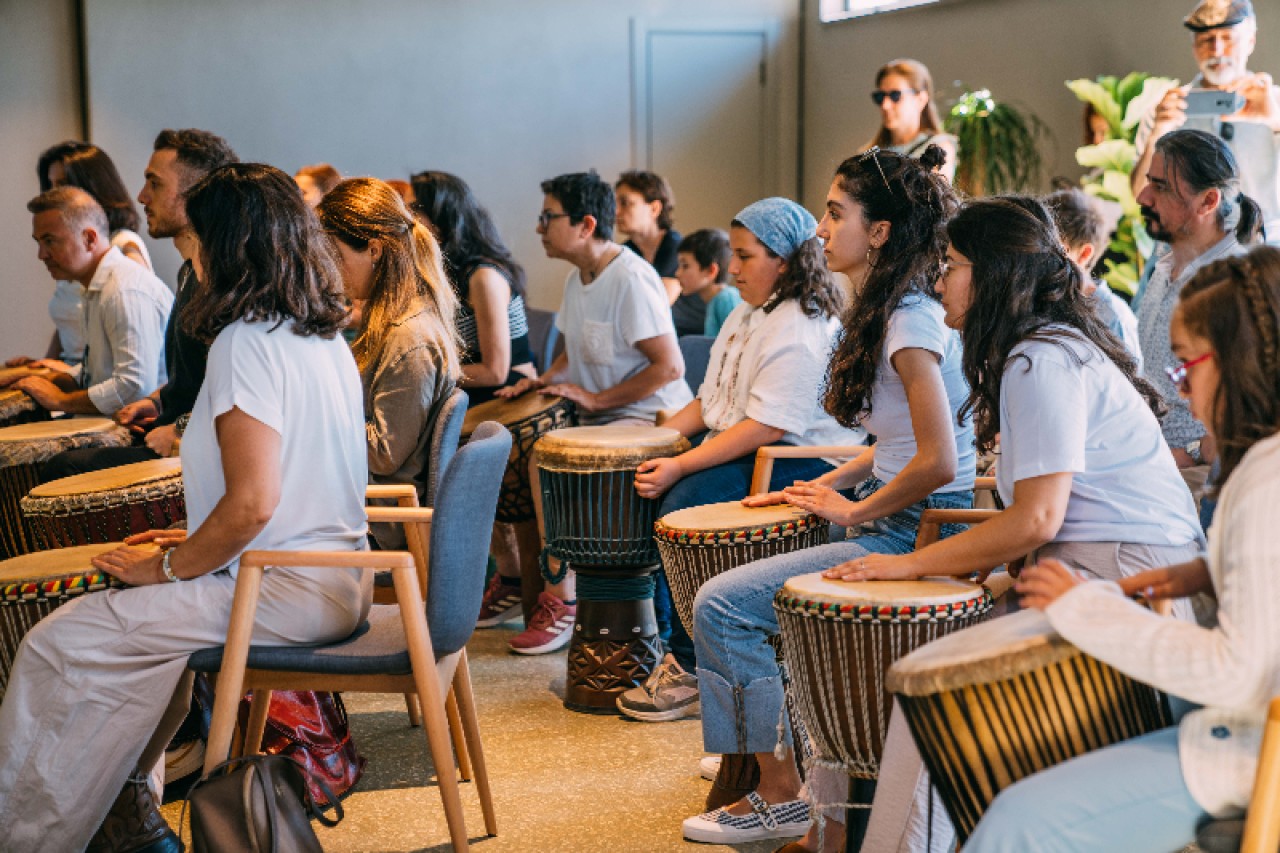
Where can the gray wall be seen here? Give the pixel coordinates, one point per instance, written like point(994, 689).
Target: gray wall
point(502, 92)
point(1023, 50)
point(38, 107)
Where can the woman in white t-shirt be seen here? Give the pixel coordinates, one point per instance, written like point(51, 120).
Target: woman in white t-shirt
point(896, 372)
point(273, 458)
point(1083, 469)
point(763, 386)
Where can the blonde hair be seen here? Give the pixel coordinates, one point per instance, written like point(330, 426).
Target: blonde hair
point(918, 76)
point(409, 273)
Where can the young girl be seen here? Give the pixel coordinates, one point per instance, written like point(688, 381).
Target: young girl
point(762, 387)
point(1149, 793)
point(897, 373)
point(405, 348)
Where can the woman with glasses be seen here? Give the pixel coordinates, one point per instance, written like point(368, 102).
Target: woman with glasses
point(897, 373)
point(1149, 793)
point(1083, 469)
point(909, 120)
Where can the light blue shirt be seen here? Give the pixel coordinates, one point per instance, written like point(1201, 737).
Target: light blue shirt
point(719, 309)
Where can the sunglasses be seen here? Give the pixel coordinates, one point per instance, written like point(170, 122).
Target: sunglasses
point(1178, 375)
point(894, 95)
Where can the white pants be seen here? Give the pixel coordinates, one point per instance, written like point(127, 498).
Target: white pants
point(101, 681)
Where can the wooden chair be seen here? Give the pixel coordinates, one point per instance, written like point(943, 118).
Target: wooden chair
point(1259, 830)
point(416, 646)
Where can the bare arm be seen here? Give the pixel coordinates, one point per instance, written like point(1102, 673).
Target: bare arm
point(665, 365)
point(250, 452)
point(656, 476)
point(488, 293)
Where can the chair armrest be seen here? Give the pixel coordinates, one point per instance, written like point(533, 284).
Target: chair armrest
point(400, 514)
point(984, 484)
point(763, 472)
point(931, 521)
point(403, 493)
point(326, 560)
point(1262, 820)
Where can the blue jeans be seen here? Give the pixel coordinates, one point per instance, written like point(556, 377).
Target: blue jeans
point(738, 677)
point(729, 481)
point(1130, 796)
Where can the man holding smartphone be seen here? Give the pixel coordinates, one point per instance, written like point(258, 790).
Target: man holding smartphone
point(1228, 100)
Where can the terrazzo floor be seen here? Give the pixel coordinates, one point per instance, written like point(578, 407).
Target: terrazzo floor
point(563, 782)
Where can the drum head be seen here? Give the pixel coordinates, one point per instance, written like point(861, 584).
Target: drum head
point(60, 562)
point(927, 592)
point(731, 520)
point(122, 477)
point(605, 448)
point(994, 651)
point(508, 412)
point(55, 429)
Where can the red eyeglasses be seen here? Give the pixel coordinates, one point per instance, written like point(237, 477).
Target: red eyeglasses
point(1178, 375)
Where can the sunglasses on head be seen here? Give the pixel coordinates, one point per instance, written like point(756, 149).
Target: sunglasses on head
point(873, 153)
point(894, 95)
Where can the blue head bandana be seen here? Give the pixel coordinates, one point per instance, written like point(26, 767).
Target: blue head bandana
point(779, 223)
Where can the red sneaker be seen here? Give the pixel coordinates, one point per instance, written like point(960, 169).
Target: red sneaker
point(550, 627)
point(501, 603)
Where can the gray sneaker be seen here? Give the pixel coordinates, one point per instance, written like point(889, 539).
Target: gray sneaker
point(668, 694)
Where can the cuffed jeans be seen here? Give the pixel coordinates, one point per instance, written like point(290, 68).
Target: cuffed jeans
point(738, 677)
point(729, 481)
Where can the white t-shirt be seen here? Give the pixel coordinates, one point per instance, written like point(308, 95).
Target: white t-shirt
point(771, 368)
point(307, 390)
point(918, 323)
point(1057, 416)
point(602, 322)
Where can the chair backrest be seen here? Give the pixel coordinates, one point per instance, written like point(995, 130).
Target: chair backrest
point(543, 336)
point(460, 526)
point(446, 430)
point(696, 350)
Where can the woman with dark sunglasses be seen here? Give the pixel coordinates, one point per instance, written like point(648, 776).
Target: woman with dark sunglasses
point(909, 120)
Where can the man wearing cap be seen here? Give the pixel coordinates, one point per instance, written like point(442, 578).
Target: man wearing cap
point(1224, 35)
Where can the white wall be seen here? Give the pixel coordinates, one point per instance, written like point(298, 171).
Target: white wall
point(503, 92)
point(38, 107)
point(1023, 50)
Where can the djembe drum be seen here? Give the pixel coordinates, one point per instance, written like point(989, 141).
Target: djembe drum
point(527, 417)
point(23, 449)
point(16, 407)
point(1007, 699)
point(597, 524)
point(106, 506)
point(33, 585)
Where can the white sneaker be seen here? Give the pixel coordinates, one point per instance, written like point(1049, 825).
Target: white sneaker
point(709, 767)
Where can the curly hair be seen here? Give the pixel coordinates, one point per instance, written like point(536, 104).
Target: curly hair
point(263, 255)
point(1234, 304)
point(916, 201)
point(408, 275)
point(1024, 287)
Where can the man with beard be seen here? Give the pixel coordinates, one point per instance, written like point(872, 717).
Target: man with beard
point(1192, 203)
point(1225, 33)
point(180, 158)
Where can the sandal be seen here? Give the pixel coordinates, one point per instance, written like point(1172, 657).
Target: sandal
point(784, 820)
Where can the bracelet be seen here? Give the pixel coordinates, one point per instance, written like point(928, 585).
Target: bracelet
point(180, 425)
point(167, 569)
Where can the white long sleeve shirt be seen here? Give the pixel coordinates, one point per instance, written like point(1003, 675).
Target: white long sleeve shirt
point(1231, 668)
point(125, 309)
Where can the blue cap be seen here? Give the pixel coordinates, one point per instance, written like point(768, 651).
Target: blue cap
point(779, 223)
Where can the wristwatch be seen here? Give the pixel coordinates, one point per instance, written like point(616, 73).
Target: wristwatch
point(1193, 450)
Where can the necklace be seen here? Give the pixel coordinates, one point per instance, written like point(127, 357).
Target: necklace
point(607, 259)
point(731, 388)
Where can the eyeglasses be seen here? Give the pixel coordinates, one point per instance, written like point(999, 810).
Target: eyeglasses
point(894, 95)
point(947, 265)
point(545, 217)
point(874, 153)
point(1178, 375)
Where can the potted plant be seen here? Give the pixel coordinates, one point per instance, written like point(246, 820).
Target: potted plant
point(998, 144)
point(1121, 102)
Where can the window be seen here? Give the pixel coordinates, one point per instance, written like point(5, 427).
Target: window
point(842, 10)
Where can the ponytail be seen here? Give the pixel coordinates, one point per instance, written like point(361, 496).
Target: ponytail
point(1250, 229)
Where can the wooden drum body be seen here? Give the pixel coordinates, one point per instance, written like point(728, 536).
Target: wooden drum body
point(701, 542)
point(23, 449)
point(839, 639)
point(528, 418)
point(33, 585)
point(597, 524)
point(106, 506)
point(1010, 698)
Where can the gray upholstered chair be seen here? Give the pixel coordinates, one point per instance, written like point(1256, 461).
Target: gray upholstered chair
point(545, 342)
point(696, 350)
point(407, 647)
point(446, 430)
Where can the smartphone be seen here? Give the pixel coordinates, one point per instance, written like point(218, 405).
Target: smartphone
point(1213, 102)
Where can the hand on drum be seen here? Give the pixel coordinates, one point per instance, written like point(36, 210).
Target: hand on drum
point(655, 476)
point(522, 387)
point(44, 392)
point(580, 396)
point(1044, 583)
point(766, 499)
point(19, 361)
point(162, 539)
point(875, 567)
point(820, 500)
point(137, 414)
point(133, 565)
point(162, 439)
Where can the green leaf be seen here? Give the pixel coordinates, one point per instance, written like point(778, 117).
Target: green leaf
point(1122, 278)
point(1153, 89)
point(1113, 155)
point(1130, 87)
point(1092, 92)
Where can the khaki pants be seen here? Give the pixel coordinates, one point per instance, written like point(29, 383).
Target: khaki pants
point(102, 680)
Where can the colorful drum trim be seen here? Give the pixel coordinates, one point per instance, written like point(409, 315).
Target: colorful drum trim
point(714, 538)
point(847, 612)
point(56, 589)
